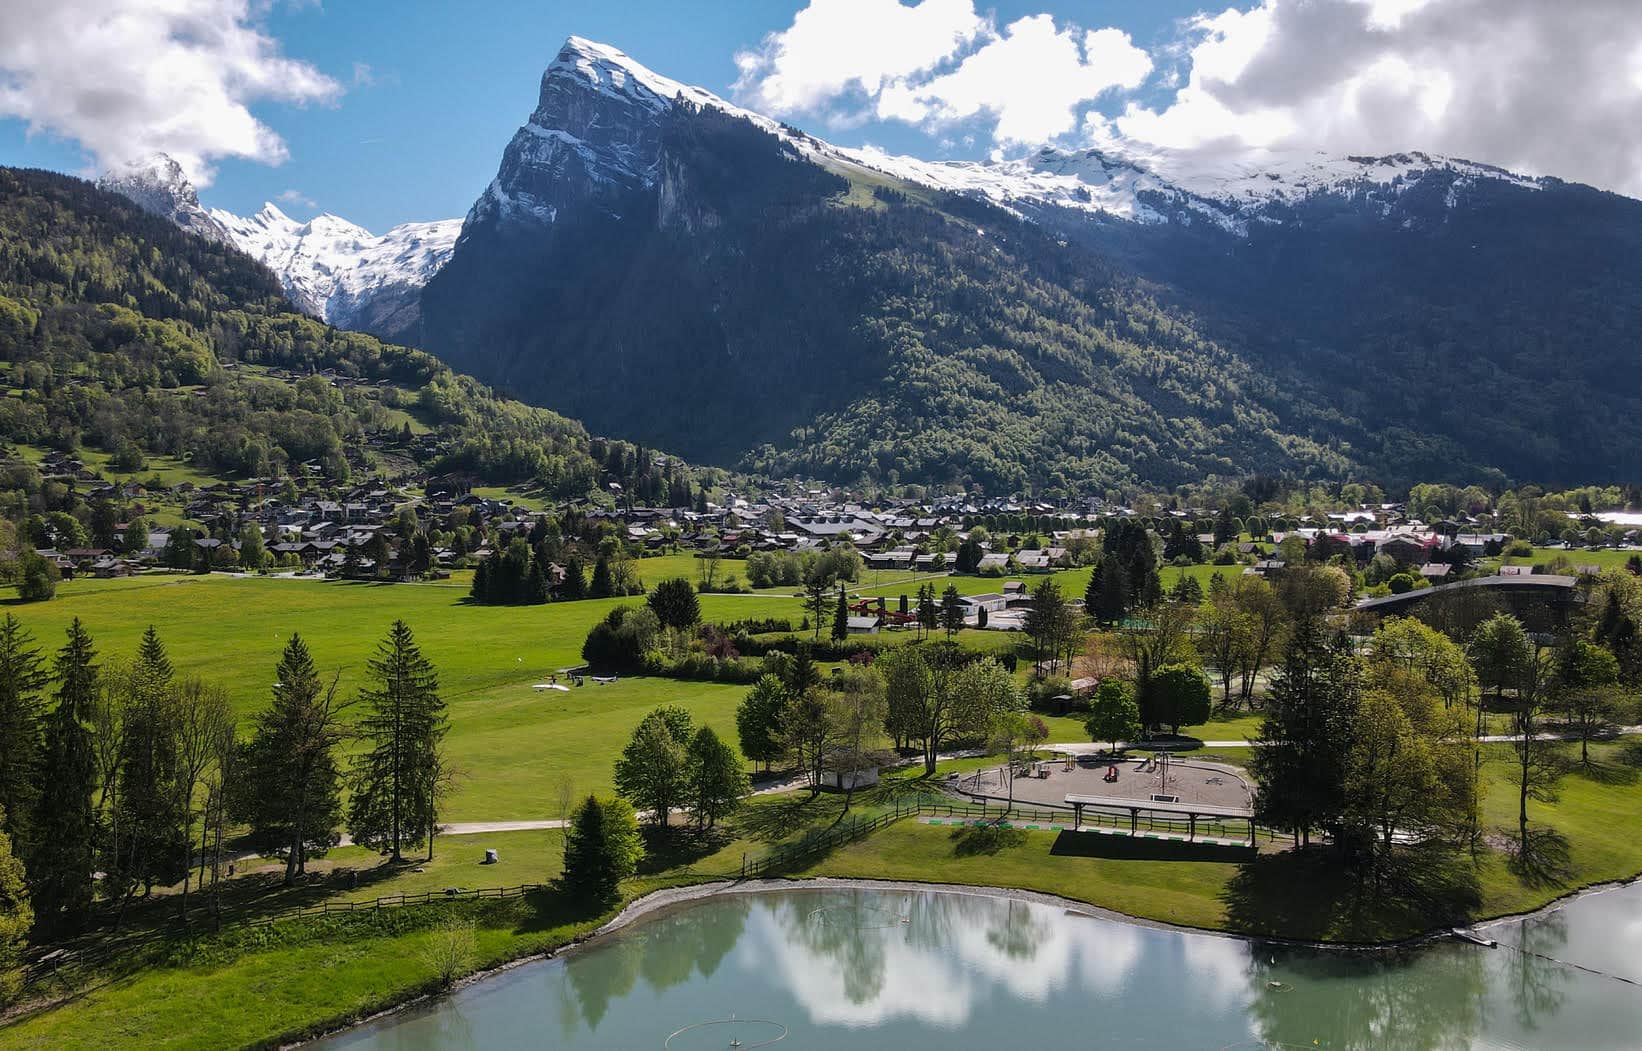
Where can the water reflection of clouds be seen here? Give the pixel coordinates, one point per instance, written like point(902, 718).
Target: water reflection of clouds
point(984, 947)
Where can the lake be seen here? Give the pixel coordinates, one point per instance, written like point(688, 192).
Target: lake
point(923, 969)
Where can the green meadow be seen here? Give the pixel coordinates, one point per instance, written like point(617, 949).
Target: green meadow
point(512, 743)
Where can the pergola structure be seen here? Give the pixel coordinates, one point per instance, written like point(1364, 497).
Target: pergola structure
point(1135, 807)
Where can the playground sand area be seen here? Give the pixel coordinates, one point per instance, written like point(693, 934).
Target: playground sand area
point(1052, 780)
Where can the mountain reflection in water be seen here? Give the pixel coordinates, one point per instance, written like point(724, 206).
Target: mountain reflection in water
point(934, 969)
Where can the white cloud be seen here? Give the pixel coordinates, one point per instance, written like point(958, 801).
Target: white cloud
point(128, 79)
point(1524, 84)
point(1030, 80)
point(937, 63)
point(297, 198)
point(838, 46)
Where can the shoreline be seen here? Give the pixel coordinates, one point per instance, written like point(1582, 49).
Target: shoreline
point(660, 902)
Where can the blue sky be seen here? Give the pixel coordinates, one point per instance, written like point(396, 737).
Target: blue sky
point(385, 112)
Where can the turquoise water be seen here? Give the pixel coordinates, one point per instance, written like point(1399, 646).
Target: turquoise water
point(916, 970)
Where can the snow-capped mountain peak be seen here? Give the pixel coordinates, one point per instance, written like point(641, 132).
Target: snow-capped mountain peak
point(341, 272)
point(1229, 190)
point(331, 268)
point(157, 184)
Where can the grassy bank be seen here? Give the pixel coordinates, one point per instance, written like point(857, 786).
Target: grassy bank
point(251, 985)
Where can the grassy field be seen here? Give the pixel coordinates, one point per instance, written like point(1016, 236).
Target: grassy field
point(512, 742)
point(1606, 559)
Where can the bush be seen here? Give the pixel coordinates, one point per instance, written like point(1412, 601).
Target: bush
point(1041, 694)
point(451, 950)
point(38, 579)
point(1400, 584)
point(622, 640)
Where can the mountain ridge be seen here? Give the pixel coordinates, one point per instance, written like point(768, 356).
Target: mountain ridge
point(664, 264)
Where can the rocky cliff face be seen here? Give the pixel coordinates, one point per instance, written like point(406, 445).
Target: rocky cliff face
point(157, 185)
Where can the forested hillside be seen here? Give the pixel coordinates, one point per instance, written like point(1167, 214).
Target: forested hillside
point(124, 334)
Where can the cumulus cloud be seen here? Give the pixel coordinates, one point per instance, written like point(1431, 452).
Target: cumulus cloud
point(1524, 84)
point(1030, 80)
point(936, 63)
point(174, 76)
point(837, 46)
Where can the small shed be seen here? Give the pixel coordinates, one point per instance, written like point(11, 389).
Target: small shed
point(842, 780)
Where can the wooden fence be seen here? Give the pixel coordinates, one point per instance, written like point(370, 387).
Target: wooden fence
point(390, 901)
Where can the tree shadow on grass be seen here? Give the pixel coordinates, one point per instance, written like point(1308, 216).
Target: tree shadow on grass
point(1619, 773)
point(1315, 893)
point(678, 847)
point(1139, 848)
point(988, 840)
point(771, 822)
point(1542, 859)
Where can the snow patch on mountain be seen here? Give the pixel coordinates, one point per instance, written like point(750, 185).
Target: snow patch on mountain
point(158, 185)
point(1228, 190)
point(341, 272)
point(596, 126)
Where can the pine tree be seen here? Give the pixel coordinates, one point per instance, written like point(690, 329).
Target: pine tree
point(394, 779)
point(952, 611)
point(290, 791)
point(601, 849)
point(22, 676)
point(64, 824)
point(151, 847)
point(575, 579)
point(841, 617)
point(604, 584)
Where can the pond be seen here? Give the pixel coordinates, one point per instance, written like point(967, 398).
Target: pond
point(922, 969)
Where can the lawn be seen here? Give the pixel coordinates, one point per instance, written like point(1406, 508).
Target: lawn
point(511, 742)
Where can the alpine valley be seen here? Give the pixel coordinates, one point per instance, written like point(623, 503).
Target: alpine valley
point(676, 270)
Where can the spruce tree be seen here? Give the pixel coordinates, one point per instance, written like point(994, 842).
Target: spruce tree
point(151, 847)
point(22, 718)
point(290, 788)
point(841, 617)
point(952, 611)
point(602, 848)
point(575, 579)
point(64, 824)
point(394, 780)
point(535, 592)
point(604, 584)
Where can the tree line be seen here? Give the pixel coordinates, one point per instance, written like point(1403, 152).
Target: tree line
point(129, 769)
